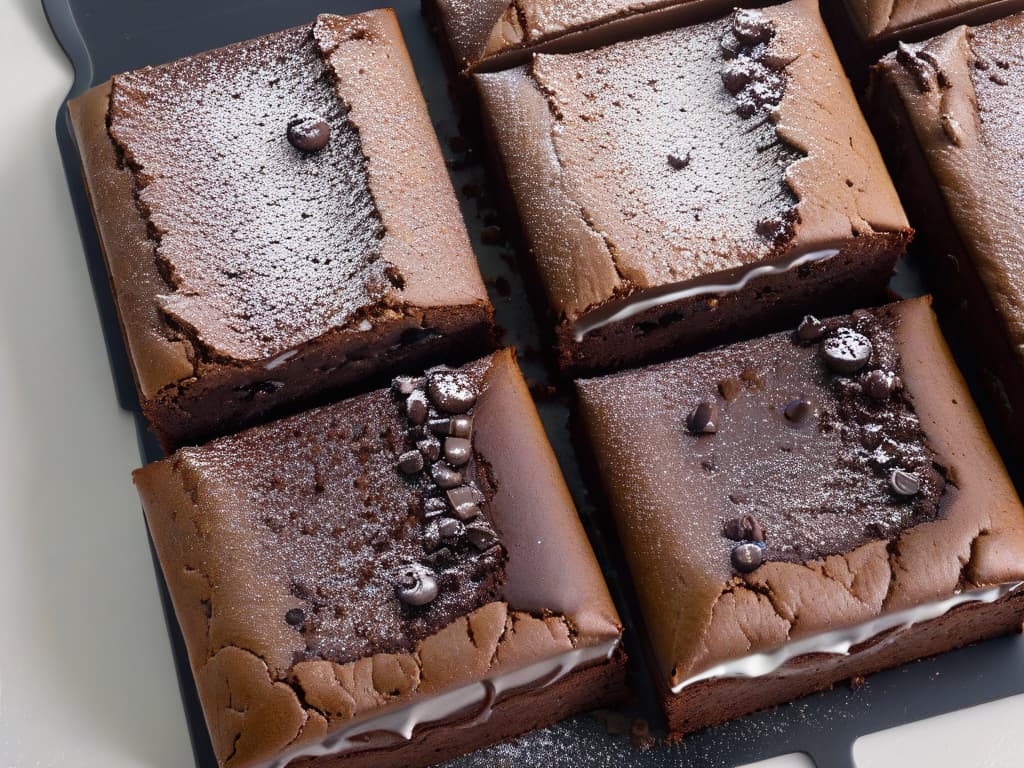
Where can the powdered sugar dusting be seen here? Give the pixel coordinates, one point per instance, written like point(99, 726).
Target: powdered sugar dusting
point(265, 247)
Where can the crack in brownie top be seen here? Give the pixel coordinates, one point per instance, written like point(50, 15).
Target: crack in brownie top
point(789, 448)
point(666, 123)
point(332, 515)
point(256, 192)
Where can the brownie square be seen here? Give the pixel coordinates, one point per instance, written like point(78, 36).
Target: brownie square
point(277, 222)
point(488, 35)
point(952, 109)
point(692, 187)
point(805, 508)
point(866, 29)
point(389, 581)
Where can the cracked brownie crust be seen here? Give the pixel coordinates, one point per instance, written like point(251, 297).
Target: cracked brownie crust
point(801, 483)
point(684, 161)
point(954, 108)
point(286, 550)
point(252, 270)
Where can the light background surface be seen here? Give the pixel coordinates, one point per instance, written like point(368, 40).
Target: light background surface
point(86, 674)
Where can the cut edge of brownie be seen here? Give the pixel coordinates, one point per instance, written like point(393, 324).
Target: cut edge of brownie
point(189, 395)
point(511, 645)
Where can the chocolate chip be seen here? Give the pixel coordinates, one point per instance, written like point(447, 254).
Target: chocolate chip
point(406, 385)
point(879, 384)
point(730, 389)
point(296, 617)
point(752, 26)
point(434, 507)
point(846, 351)
point(461, 426)
point(467, 512)
point(745, 528)
point(430, 447)
point(703, 420)
point(449, 528)
point(441, 427)
point(308, 133)
point(904, 483)
point(736, 76)
point(747, 556)
point(411, 462)
point(481, 535)
point(451, 391)
point(417, 586)
point(457, 451)
point(416, 407)
point(465, 494)
point(811, 329)
point(798, 411)
point(678, 162)
point(445, 476)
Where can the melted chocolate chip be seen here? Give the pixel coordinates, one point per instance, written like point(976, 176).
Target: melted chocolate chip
point(295, 617)
point(451, 391)
point(745, 528)
point(411, 462)
point(308, 133)
point(416, 407)
point(417, 586)
point(747, 556)
point(445, 476)
point(811, 329)
point(879, 385)
point(798, 411)
point(904, 483)
point(846, 351)
point(703, 420)
point(457, 451)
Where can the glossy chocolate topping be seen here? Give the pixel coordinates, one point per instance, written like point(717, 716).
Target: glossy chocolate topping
point(275, 246)
point(884, 18)
point(964, 92)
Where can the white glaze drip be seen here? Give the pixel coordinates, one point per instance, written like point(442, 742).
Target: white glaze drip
point(641, 302)
point(400, 723)
point(840, 641)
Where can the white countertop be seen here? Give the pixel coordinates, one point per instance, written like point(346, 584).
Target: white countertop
point(86, 674)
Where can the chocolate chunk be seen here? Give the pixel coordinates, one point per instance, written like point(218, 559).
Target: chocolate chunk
point(798, 411)
point(703, 420)
point(811, 329)
point(737, 75)
point(745, 528)
point(411, 462)
point(430, 447)
point(846, 351)
point(467, 512)
point(417, 407)
point(434, 507)
point(451, 391)
point(747, 556)
point(904, 483)
point(465, 494)
point(678, 162)
point(441, 427)
point(445, 476)
point(406, 385)
point(417, 586)
point(752, 27)
point(457, 451)
point(879, 384)
point(296, 617)
point(449, 528)
point(730, 389)
point(461, 426)
point(481, 535)
point(308, 133)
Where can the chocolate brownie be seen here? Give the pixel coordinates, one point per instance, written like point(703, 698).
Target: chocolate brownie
point(953, 109)
point(487, 35)
point(390, 580)
point(687, 188)
point(277, 222)
point(806, 507)
point(866, 29)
